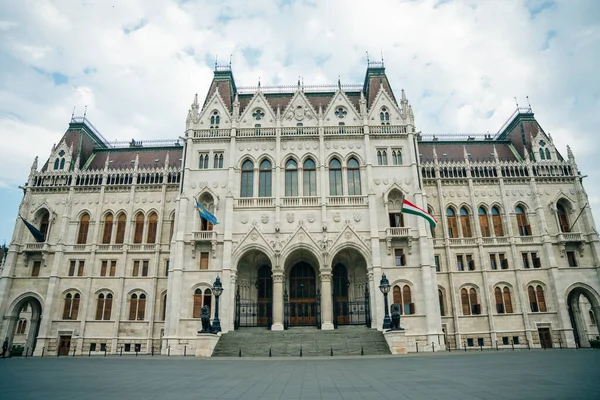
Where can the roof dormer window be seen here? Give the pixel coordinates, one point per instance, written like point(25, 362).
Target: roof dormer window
point(384, 116)
point(215, 120)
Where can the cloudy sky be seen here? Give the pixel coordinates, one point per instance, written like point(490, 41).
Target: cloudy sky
point(136, 64)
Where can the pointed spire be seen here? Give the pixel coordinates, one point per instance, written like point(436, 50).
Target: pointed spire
point(236, 106)
point(570, 153)
point(495, 152)
point(465, 153)
point(196, 99)
point(362, 105)
point(320, 111)
point(278, 112)
point(107, 161)
point(339, 83)
point(298, 83)
point(403, 96)
point(167, 160)
point(137, 160)
point(259, 83)
point(77, 163)
point(435, 156)
point(526, 153)
point(34, 165)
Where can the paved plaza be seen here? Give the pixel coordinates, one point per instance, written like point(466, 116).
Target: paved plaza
point(537, 374)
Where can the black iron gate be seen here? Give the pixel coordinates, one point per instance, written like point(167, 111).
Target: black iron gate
point(253, 313)
point(355, 312)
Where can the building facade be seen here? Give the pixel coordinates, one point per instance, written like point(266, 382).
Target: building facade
point(308, 184)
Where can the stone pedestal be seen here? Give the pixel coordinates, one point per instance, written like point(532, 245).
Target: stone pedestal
point(396, 341)
point(205, 344)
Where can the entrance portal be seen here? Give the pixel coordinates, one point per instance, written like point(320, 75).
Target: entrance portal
point(303, 295)
point(583, 309)
point(24, 323)
point(64, 345)
point(545, 338)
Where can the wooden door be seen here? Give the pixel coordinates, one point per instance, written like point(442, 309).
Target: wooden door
point(64, 345)
point(545, 338)
point(303, 295)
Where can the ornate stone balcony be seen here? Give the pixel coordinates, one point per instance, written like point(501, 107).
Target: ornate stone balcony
point(301, 201)
point(255, 202)
point(398, 234)
point(347, 200)
point(204, 236)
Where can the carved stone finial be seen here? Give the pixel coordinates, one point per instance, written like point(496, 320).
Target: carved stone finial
point(137, 160)
point(107, 161)
point(570, 153)
point(167, 160)
point(34, 165)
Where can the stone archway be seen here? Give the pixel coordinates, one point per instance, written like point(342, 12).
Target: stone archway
point(28, 309)
point(577, 313)
point(302, 289)
point(254, 290)
point(350, 288)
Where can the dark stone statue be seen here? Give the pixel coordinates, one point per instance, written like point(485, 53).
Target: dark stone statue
point(395, 318)
point(205, 318)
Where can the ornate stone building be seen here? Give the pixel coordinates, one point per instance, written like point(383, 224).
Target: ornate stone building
point(308, 184)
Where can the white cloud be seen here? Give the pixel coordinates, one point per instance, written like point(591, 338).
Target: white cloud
point(461, 63)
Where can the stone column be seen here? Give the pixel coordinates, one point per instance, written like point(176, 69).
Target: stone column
point(277, 301)
point(326, 302)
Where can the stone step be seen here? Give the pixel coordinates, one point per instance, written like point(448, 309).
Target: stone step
point(346, 340)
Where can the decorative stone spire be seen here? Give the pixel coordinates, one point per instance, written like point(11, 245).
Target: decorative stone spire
point(167, 160)
point(236, 105)
point(195, 104)
point(34, 165)
point(137, 160)
point(107, 161)
point(278, 114)
point(495, 153)
point(570, 155)
point(526, 153)
point(435, 156)
point(411, 116)
point(465, 153)
point(403, 97)
point(77, 163)
point(320, 111)
point(363, 105)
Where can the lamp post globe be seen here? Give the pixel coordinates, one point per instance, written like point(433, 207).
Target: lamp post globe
point(217, 289)
point(384, 286)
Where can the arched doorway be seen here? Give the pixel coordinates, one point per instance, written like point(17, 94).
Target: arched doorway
point(584, 309)
point(24, 324)
point(350, 289)
point(303, 295)
point(254, 291)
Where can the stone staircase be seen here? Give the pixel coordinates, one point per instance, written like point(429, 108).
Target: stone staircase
point(346, 340)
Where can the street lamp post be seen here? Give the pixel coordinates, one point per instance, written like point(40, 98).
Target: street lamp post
point(384, 286)
point(217, 290)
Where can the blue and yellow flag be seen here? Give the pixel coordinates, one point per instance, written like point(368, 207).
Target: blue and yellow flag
point(204, 213)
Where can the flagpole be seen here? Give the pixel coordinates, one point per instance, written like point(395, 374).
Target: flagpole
point(576, 219)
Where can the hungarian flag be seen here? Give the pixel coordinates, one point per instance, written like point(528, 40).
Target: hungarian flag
point(410, 208)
